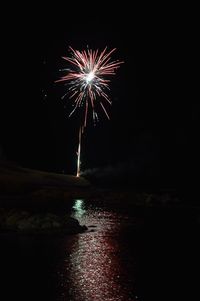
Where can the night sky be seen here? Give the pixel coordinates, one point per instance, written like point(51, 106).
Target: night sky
point(153, 132)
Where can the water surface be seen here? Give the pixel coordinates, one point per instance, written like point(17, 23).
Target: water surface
point(128, 253)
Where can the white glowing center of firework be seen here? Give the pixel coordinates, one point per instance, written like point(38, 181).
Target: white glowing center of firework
point(89, 77)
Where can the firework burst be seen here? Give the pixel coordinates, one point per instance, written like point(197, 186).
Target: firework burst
point(87, 80)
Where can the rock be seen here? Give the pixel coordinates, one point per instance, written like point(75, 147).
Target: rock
point(13, 218)
point(56, 225)
point(22, 221)
point(46, 225)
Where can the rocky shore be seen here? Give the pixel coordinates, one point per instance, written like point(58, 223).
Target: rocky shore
point(20, 221)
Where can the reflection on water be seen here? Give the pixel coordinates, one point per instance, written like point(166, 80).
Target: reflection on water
point(96, 265)
point(78, 208)
point(96, 268)
point(114, 260)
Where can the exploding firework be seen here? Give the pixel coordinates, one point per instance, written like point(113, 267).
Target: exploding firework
point(88, 84)
point(87, 80)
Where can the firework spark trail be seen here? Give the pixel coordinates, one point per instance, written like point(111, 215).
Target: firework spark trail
point(86, 79)
point(79, 154)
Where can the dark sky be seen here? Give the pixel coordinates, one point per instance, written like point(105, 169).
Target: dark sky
point(154, 117)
